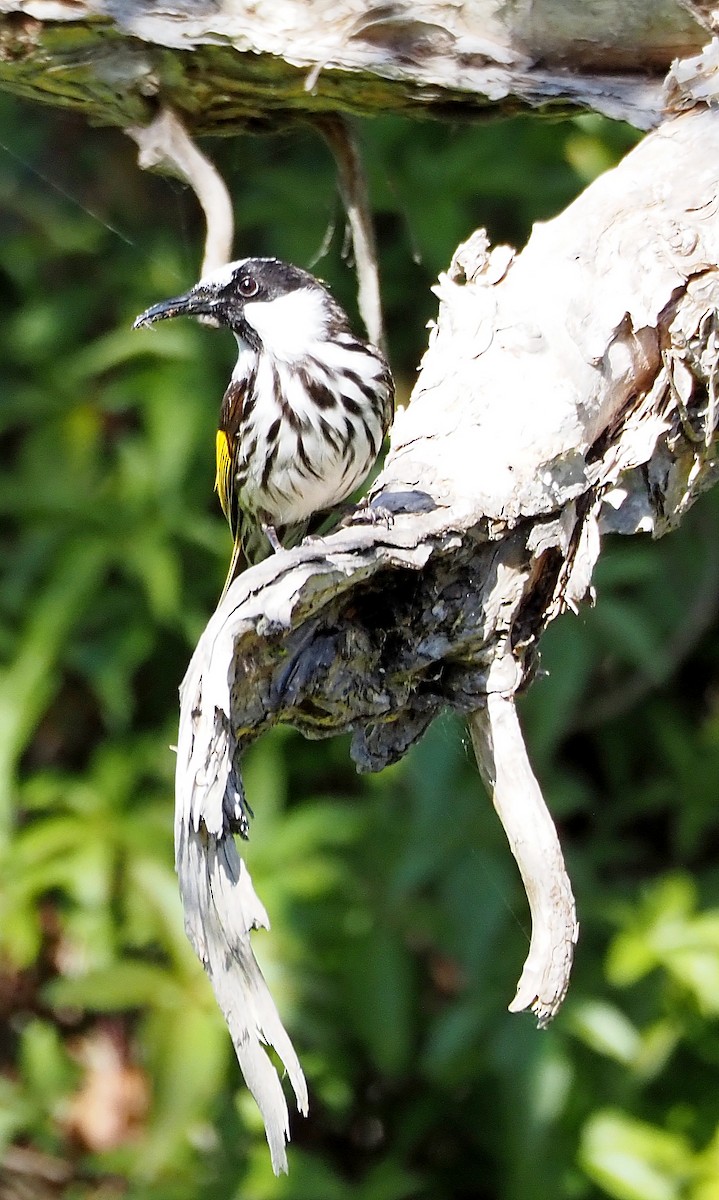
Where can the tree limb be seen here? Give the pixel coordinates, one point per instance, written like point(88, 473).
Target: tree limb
point(165, 146)
point(353, 188)
point(224, 67)
point(565, 391)
point(505, 768)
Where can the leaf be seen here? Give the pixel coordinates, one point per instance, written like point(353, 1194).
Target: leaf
point(46, 1069)
point(631, 1160)
point(124, 985)
point(606, 1029)
point(191, 1050)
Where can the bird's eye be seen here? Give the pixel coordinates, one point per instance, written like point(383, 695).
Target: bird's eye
point(248, 286)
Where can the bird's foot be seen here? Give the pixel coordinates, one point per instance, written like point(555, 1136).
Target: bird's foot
point(271, 534)
point(366, 513)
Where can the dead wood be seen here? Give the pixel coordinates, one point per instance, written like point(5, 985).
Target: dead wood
point(224, 66)
point(566, 391)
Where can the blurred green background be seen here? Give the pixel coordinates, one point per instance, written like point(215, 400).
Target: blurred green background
point(399, 923)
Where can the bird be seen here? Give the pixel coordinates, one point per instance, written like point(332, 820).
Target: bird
point(307, 407)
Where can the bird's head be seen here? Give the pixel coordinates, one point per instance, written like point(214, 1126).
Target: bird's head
point(266, 303)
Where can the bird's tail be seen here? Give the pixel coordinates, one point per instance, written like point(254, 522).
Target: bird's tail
point(238, 562)
point(252, 545)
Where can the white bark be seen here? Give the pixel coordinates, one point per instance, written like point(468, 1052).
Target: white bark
point(165, 146)
point(505, 768)
point(465, 55)
point(221, 909)
point(565, 390)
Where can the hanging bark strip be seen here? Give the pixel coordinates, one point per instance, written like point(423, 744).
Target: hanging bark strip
point(164, 145)
point(566, 390)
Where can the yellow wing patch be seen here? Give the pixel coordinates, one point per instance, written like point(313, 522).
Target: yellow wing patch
point(223, 478)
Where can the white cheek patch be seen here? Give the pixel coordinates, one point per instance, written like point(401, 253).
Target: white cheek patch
point(246, 361)
point(290, 325)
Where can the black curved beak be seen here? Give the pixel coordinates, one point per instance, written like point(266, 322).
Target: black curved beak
point(192, 304)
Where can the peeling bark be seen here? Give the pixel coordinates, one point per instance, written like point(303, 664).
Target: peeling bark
point(565, 391)
point(225, 65)
point(504, 765)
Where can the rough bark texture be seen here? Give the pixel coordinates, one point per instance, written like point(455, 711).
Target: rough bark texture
point(565, 391)
point(227, 64)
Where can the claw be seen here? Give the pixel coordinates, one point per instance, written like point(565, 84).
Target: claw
point(369, 514)
point(271, 535)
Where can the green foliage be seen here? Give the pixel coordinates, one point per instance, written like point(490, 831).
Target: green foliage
point(399, 926)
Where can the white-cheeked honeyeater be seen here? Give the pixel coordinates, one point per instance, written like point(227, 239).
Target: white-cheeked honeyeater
point(307, 407)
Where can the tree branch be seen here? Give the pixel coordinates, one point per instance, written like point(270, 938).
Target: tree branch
point(353, 188)
point(166, 146)
point(504, 766)
point(564, 389)
point(224, 67)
